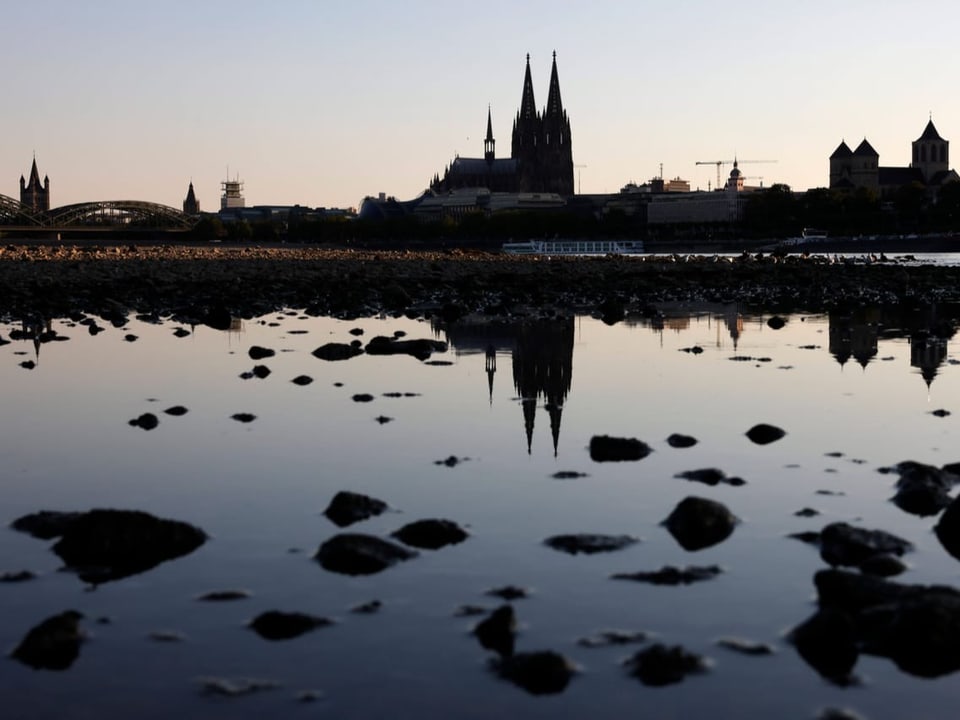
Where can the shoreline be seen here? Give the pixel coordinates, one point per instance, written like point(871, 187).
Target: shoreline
point(48, 280)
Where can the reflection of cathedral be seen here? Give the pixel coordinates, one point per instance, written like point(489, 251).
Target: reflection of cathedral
point(927, 353)
point(854, 335)
point(542, 362)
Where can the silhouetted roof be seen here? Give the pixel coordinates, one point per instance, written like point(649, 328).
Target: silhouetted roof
point(843, 150)
point(930, 133)
point(897, 176)
point(866, 148)
point(943, 177)
point(480, 166)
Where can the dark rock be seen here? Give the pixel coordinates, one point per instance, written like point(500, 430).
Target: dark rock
point(745, 647)
point(709, 476)
point(843, 544)
point(421, 349)
point(694, 350)
point(356, 332)
point(604, 448)
point(277, 625)
point(922, 489)
point(763, 434)
point(362, 398)
point(259, 353)
point(431, 534)
point(612, 310)
point(940, 413)
point(589, 544)
point(838, 714)
point(179, 332)
point(367, 608)
point(261, 371)
point(103, 545)
point(130, 338)
point(46, 524)
point(337, 351)
point(147, 421)
point(807, 512)
point(383, 419)
point(451, 461)
point(681, 441)
point(54, 644)
point(883, 565)
point(669, 575)
point(827, 641)
point(497, 632)
point(854, 592)
point(302, 380)
point(948, 529)
point(17, 577)
point(176, 411)
point(698, 523)
point(358, 554)
point(224, 596)
point(608, 638)
point(568, 475)
point(776, 322)
point(659, 665)
point(539, 673)
point(166, 636)
point(243, 417)
point(348, 507)
point(509, 592)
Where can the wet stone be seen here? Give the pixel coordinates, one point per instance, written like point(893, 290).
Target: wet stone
point(609, 638)
point(176, 411)
point(17, 577)
point(358, 554)
point(948, 529)
point(368, 608)
point(348, 507)
point(277, 625)
point(807, 512)
point(302, 380)
point(543, 672)
point(921, 489)
point(710, 476)
point(224, 596)
point(421, 349)
point(604, 448)
point(669, 575)
point(497, 632)
point(46, 524)
point(54, 644)
point(697, 523)
point(776, 323)
point(179, 332)
point(764, 434)
point(827, 641)
point(257, 352)
point(883, 565)
point(383, 419)
point(509, 592)
point(745, 647)
point(568, 475)
point(843, 544)
point(660, 665)
point(130, 338)
point(940, 413)
point(450, 461)
point(362, 398)
point(681, 441)
point(589, 544)
point(333, 352)
point(431, 534)
point(243, 417)
point(147, 421)
point(166, 636)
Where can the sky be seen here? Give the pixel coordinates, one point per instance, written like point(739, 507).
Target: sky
point(322, 102)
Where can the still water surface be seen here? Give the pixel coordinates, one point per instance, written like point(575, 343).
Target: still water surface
point(516, 402)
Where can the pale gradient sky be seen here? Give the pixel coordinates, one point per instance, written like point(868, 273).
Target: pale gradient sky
point(320, 103)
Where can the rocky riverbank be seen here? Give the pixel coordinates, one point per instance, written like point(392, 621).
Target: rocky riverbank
point(247, 280)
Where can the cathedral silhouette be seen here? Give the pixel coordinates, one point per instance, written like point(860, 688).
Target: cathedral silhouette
point(541, 154)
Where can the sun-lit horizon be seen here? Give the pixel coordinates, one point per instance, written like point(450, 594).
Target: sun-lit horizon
point(320, 106)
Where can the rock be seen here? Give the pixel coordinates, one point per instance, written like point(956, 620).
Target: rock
point(940, 413)
point(46, 524)
point(54, 644)
point(129, 337)
point(383, 419)
point(922, 489)
point(259, 353)
point(539, 673)
point(431, 534)
point(745, 647)
point(358, 554)
point(451, 461)
point(261, 371)
point(17, 577)
point(843, 544)
point(710, 476)
point(589, 543)
point(176, 411)
point(224, 596)
point(147, 421)
point(243, 417)
point(356, 332)
point(883, 565)
point(839, 714)
point(763, 434)
point(776, 323)
point(681, 441)
point(277, 625)
point(166, 636)
point(807, 512)
point(659, 665)
point(669, 575)
point(604, 448)
point(420, 349)
point(697, 523)
point(348, 507)
point(568, 475)
point(509, 592)
point(827, 641)
point(693, 350)
point(179, 332)
point(497, 632)
point(302, 380)
point(333, 352)
point(608, 638)
point(362, 398)
point(948, 529)
point(367, 608)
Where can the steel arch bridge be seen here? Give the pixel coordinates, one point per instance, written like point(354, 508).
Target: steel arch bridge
point(105, 214)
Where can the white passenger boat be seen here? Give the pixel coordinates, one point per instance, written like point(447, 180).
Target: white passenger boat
point(574, 247)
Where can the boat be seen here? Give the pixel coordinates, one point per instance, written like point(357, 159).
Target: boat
point(574, 247)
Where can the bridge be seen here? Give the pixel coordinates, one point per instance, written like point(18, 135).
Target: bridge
point(99, 216)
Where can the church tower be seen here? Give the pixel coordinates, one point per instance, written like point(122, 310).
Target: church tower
point(191, 206)
point(526, 132)
point(34, 195)
point(931, 153)
point(555, 151)
point(488, 144)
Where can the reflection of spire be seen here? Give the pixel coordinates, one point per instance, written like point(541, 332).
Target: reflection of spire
point(491, 367)
point(734, 323)
point(927, 353)
point(841, 330)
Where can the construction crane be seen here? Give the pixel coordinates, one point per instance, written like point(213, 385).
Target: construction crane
point(735, 161)
point(578, 176)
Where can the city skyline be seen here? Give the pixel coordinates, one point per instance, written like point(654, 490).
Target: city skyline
point(320, 106)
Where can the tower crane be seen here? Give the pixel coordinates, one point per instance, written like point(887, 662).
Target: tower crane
point(719, 163)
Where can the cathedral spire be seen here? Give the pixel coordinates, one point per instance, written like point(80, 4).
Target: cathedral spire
point(488, 143)
point(554, 104)
point(528, 106)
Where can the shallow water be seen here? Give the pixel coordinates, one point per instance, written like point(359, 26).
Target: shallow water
point(854, 392)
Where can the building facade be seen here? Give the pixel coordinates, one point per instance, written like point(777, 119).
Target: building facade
point(34, 195)
point(541, 151)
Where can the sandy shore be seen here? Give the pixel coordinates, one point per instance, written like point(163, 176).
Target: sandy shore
point(53, 279)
